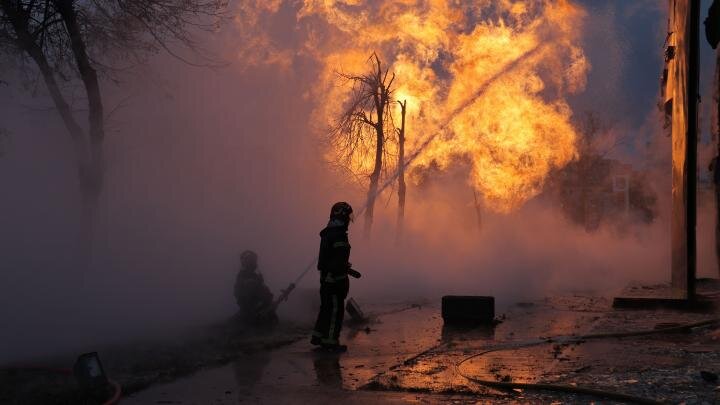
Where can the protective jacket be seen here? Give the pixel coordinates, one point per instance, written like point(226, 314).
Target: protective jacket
point(333, 260)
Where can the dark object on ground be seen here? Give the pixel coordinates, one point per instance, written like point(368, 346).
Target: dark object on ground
point(353, 309)
point(90, 376)
point(468, 309)
point(709, 376)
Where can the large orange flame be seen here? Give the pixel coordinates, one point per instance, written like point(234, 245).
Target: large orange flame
point(488, 79)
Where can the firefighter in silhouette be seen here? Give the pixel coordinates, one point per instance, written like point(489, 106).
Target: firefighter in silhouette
point(334, 266)
point(253, 297)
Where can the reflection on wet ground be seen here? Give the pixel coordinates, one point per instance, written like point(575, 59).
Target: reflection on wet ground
point(406, 355)
point(297, 373)
point(327, 369)
point(249, 370)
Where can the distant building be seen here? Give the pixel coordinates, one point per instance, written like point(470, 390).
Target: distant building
point(593, 190)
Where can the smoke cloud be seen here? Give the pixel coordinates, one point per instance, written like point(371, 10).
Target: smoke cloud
point(205, 163)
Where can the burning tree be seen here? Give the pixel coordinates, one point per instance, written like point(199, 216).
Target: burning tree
point(69, 40)
point(365, 126)
point(486, 83)
point(401, 171)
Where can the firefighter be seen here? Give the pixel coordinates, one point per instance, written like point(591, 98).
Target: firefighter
point(253, 297)
point(333, 265)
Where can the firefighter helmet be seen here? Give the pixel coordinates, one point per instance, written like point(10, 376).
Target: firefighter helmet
point(341, 210)
point(249, 259)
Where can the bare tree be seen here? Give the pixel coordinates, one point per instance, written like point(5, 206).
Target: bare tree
point(365, 126)
point(401, 172)
point(72, 39)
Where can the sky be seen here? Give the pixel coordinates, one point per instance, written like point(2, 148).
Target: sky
point(204, 163)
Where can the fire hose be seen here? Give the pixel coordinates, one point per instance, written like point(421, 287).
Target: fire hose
point(578, 339)
point(284, 294)
point(116, 396)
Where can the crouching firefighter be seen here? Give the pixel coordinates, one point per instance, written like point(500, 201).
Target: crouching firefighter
point(253, 297)
point(334, 266)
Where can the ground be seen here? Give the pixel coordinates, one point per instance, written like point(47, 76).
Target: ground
point(405, 355)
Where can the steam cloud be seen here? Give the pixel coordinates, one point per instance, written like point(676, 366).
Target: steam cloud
point(204, 164)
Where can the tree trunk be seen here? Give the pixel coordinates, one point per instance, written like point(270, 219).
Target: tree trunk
point(374, 180)
point(94, 175)
point(19, 21)
point(91, 179)
point(380, 100)
point(88, 154)
point(401, 174)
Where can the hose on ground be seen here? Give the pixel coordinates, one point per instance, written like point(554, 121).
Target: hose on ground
point(578, 339)
point(116, 396)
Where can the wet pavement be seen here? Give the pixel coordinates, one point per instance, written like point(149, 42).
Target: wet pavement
point(299, 374)
point(405, 355)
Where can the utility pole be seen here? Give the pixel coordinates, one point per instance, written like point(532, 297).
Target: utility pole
point(683, 98)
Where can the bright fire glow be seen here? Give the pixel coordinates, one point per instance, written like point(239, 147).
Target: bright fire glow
point(490, 78)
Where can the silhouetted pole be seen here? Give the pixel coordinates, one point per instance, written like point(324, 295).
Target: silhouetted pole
point(715, 168)
point(683, 99)
point(712, 34)
point(692, 97)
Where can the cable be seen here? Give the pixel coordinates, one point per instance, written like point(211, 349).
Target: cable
point(116, 396)
point(578, 339)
